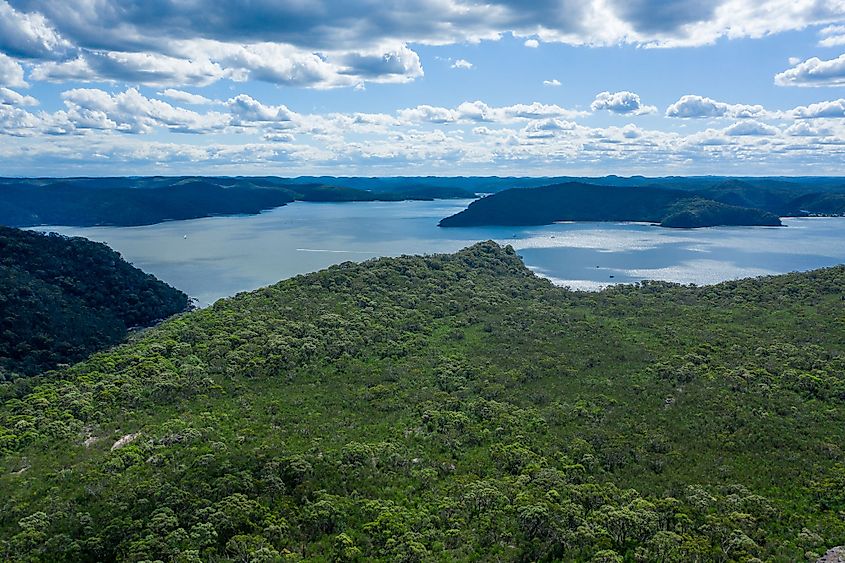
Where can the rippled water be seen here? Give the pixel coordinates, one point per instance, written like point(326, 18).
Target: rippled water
point(219, 256)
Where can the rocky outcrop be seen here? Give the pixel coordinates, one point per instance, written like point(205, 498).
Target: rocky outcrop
point(835, 555)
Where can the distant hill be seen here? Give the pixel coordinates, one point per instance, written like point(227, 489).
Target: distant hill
point(585, 202)
point(699, 212)
point(63, 298)
point(144, 201)
point(819, 203)
point(129, 201)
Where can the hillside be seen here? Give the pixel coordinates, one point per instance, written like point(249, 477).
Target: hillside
point(698, 212)
point(63, 298)
point(148, 200)
point(586, 202)
point(451, 407)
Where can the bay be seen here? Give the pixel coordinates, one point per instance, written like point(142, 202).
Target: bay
point(216, 257)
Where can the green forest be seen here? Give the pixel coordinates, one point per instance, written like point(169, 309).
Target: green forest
point(445, 408)
point(62, 298)
point(678, 204)
point(27, 202)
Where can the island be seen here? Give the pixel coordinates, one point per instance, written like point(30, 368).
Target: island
point(575, 201)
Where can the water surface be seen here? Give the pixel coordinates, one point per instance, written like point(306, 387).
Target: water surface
point(215, 257)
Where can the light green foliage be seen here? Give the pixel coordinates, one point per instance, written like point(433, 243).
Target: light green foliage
point(445, 408)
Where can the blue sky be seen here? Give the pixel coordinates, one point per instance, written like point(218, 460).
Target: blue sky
point(553, 87)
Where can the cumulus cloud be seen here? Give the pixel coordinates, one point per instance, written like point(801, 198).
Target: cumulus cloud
point(131, 112)
point(463, 64)
point(11, 98)
point(834, 108)
point(203, 62)
point(137, 68)
point(116, 25)
point(832, 36)
point(814, 72)
point(29, 34)
point(11, 72)
point(478, 111)
point(548, 128)
point(327, 44)
point(692, 106)
point(386, 64)
point(552, 82)
point(750, 129)
point(621, 102)
point(97, 125)
point(808, 129)
point(186, 97)
point(248, 111)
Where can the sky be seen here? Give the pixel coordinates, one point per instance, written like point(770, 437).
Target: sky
point(422, 87)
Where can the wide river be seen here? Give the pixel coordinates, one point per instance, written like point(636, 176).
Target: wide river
point(219, 256)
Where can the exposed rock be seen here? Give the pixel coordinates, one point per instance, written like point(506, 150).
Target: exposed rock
point(90, 440)
point(129, 438)
point(835, 555)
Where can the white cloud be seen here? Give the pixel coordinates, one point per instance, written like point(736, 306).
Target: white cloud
point(29, 34)
point(621, 102)
point(548, 128)
point(137, 68)
point(834, 108)
point(321, 26)
point(750, 129)
point(186, 97)
point(287, 65)
point(203, 62)
point(11, 98)
point(431, 114)
point(475, 136)
point(552, 82)
point(11, 72)
point(832, 36)
point(277, 137)
point(17, 122)
point(131, 112)
point(808, 129)
point(328, 44)
point(462, 64)
point(814, 72)
point(478, 111)
point(247, 110)
point(692, 106)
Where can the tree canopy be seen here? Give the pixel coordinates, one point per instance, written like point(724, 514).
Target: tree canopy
point(448, 407)
point(62, 298)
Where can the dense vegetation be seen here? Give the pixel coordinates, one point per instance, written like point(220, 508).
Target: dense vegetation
point(62, 298)
point(698, 212)
point(444, 408)
point(144, 201)
point(586, 202)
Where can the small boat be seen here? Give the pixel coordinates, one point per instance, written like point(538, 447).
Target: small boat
point(184, 237)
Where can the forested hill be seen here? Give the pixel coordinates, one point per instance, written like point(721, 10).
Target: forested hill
point(445, 408)
point(586, 202)
point(148, 200)
point(63, 298)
